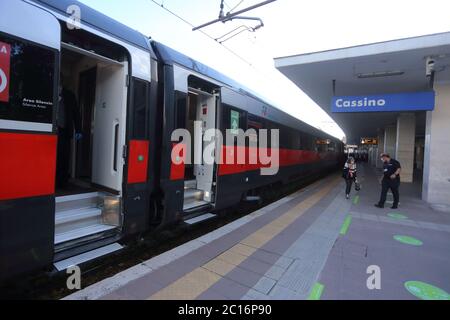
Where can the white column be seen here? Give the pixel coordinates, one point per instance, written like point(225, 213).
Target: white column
point(373, 156)
point(390, 137)
point(405, 141)
point(420, 146)
point(436, 173)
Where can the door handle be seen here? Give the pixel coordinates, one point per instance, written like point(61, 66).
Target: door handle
point(116, 145)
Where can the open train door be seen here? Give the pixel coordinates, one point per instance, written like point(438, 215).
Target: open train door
point(201, 122)
point(30, 42)
point(205, 169)
point(109, 127)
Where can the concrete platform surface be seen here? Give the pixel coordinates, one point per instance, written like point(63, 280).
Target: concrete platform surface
point(313, 244)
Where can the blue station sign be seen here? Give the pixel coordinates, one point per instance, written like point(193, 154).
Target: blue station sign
point(415, 101)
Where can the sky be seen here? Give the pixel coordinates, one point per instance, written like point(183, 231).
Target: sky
point(290, 27)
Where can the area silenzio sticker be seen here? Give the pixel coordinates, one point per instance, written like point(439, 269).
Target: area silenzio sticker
point(5, 57)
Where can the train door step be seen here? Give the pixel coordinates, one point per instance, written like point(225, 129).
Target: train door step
point(87, 256)
point(196, 209)
point(80, 217)
point(193, 198)
point(200, 218)
point(192, 195)
point(187, 206)
point(65, 219)
point(76, 201)
point(82, 232)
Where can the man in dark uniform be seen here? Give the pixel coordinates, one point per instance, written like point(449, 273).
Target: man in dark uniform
point(68, 121)
point(391, 180)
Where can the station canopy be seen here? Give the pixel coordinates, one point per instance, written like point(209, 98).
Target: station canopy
point(397, 66)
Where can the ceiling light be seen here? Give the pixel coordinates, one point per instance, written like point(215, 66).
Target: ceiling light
point(380, 74)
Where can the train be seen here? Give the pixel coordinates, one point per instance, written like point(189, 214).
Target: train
point(133, 93)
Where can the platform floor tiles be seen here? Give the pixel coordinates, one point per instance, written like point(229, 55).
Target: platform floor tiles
point(313, 244)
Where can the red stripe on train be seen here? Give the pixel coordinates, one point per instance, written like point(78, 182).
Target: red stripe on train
point(27, 165)
point(138, 161)
point(230, 164)
point(287, 157)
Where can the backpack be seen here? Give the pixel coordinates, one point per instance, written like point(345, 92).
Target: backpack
point(345, 173)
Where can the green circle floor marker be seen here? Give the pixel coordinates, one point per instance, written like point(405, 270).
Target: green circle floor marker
point(426, 291)
point(397, 216)
point(408, 240)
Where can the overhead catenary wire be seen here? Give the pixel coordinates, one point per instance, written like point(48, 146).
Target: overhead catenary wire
point(228, 6)
point(236, 6)
point(232, 31)
point(231, 9)
point(161, 5)
point(207, 35)
point(210, 37)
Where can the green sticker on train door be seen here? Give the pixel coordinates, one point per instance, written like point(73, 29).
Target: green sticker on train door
point(234, 122)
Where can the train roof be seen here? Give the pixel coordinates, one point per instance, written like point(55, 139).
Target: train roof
point(118, 30)
point(99, 21)
point(171, 56)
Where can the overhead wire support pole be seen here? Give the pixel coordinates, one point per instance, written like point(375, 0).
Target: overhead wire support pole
point(249, 18)
point(203, 32)
point(230, 16)
point(224, 38)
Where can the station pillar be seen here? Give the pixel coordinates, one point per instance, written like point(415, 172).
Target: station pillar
point(405, 144)
point(390, 140)
point(373, 151)
point(436, 173)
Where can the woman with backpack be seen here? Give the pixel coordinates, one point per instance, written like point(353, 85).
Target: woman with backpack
point(349, 175)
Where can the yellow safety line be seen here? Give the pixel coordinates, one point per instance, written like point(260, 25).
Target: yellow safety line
point(193, 284)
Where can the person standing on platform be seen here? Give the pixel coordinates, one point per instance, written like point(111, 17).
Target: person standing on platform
point(391, 180)
point(349, 175)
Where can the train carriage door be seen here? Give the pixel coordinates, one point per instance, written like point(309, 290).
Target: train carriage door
point(109, 128)
point(206, 150)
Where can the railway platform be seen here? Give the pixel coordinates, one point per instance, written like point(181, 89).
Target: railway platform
point(313, 244)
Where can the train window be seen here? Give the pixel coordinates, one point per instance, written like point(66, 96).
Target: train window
point(332, 147)
point(321, 147)
point(254, 123)
point(181, 106)
point(287, 137)
point(140, 108)
point(27, 88)
point(296, 140)
point(269, 125)
point(304, 141)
